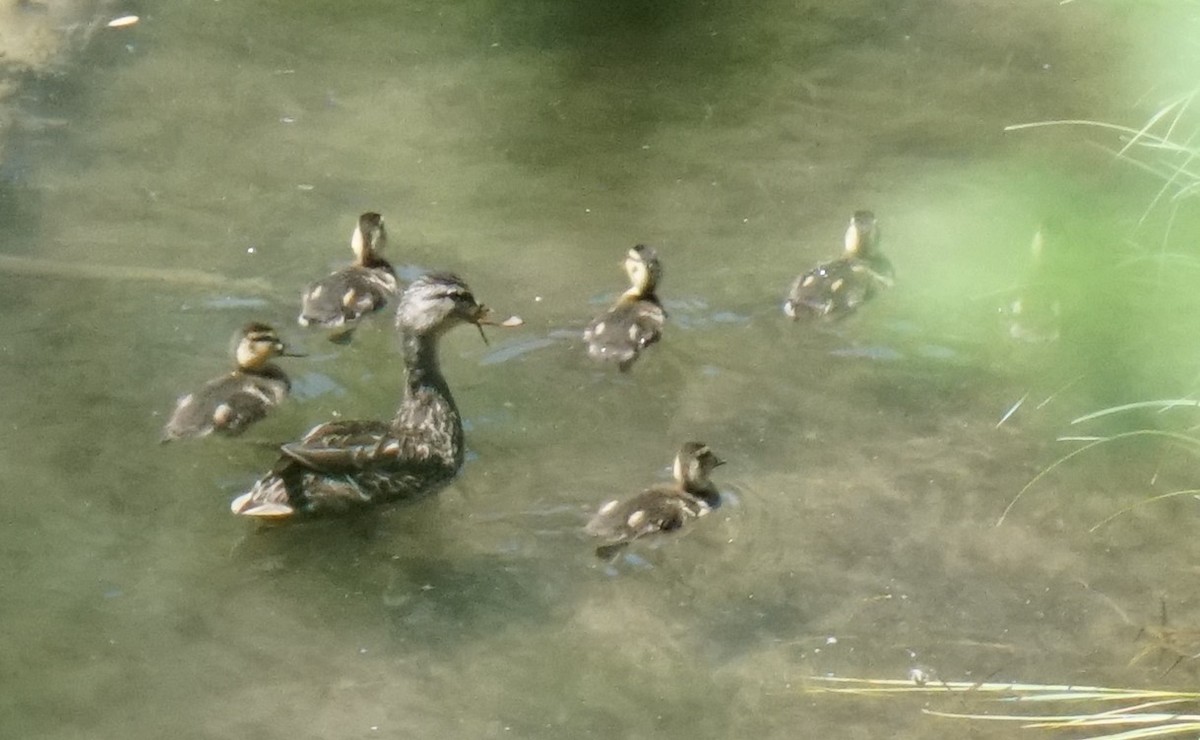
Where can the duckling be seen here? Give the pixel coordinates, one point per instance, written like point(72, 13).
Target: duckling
point(339, 300)
point(661, 508)
point(836, 289)
point(345, 466)
point(236, 400)
point(1035, 315)
point(636, 320)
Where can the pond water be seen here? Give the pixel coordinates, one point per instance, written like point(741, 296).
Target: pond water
point(526, 145)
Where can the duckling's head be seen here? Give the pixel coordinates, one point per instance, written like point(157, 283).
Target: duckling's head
point(644, 270)
point(369, 237)
point(694, 462)
point(862, 235)
point(256, 345)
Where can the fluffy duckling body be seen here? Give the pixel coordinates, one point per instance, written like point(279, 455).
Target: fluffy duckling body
point(837, 288)
point(636, 320)
point(662, 508)
point(345, 466)
point(230, 403)
point(1035, 315)
point(342, 298)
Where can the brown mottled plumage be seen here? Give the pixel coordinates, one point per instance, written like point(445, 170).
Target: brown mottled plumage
point(636, 320)
point(230, 403)
point(837, 288)
point(661, 508)
point(340, 299)
point(342, 466)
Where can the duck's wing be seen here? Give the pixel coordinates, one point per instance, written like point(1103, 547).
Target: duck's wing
point(343, 466)
point(339, 447)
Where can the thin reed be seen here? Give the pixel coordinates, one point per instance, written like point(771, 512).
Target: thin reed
point(1117, 713)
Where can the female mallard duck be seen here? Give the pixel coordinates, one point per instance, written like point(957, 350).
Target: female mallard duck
point(835, 289)
point(236, 400)
point(662, 508)
point(365, 286)
point(636, 320)
point(344, 466)
point(1035, 315)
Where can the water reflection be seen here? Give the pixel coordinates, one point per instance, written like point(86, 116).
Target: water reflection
point(523, 145)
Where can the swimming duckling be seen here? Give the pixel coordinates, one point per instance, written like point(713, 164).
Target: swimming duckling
point(236, 400)
point(1035, 315)
point(661, 508)
point(636, 320)
point(339, 300)
point(344, 466)
point(835, 289)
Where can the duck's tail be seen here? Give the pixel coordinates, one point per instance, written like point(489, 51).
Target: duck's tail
point(268, 499)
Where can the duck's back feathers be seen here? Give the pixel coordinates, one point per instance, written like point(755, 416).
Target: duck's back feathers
point(343, 465)
point(342, 446)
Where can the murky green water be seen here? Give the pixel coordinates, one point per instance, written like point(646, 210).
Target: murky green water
point(526, 145)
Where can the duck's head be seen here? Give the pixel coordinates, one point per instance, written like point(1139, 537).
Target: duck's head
point(862, 235)
point(644, 270)
point(257, 344)
point(437, 302)
point(369, 237)
point(694, 462)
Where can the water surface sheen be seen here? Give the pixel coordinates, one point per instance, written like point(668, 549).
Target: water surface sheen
point(527, 145)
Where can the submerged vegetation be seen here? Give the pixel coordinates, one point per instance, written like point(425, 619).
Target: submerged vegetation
point(1167, 147)
point(1105, 713)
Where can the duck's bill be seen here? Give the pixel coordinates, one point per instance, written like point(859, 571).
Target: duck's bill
point(486, 319)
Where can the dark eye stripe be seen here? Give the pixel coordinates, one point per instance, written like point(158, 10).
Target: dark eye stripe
point(459, 295)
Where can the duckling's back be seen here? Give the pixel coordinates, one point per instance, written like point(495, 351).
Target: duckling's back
point(836, 289)
point(658, 509)
point(347, 295)
point(625, 330)
point(227, 405)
